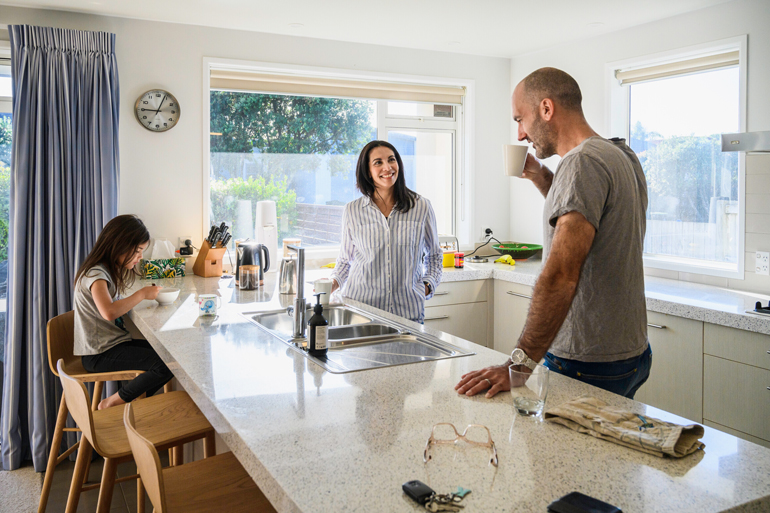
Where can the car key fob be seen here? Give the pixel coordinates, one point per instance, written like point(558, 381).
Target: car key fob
point(418, 491)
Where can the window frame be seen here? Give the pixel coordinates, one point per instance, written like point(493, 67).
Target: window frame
point(618, 120)
point(463, 173)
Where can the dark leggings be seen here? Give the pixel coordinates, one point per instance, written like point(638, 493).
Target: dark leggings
point(132, 355)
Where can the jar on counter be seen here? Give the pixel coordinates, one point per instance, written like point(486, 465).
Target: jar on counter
point(459, 260)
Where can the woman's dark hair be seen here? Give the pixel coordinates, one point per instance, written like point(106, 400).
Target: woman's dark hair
point(405, 197)
point(115, 247)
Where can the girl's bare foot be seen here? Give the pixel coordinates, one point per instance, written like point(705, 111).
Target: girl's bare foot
point(113, 400)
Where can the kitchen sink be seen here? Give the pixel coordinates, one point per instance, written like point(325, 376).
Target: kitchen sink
point(360, 341)
point(283, 323)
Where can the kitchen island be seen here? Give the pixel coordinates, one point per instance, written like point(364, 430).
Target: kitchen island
point(321, 442)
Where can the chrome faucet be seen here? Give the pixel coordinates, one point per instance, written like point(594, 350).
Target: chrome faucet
point(299, 309)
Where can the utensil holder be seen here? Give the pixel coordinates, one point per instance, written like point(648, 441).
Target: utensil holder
point(209, 261)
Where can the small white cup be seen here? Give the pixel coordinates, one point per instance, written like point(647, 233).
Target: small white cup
point(323, 285)
point(208, 304)
point(514, 157)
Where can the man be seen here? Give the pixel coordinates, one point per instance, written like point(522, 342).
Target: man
point(588, 314)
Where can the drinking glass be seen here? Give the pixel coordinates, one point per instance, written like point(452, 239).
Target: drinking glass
point(529, 389)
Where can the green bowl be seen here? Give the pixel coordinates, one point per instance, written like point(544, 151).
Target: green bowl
point(517, 250)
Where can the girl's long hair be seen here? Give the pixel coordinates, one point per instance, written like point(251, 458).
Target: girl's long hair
point(115, 247)
point(405, 197)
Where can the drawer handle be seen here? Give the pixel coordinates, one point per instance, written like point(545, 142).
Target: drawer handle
point(658, 326)
point(512, 293)
point(444, 293)
point(436, 318)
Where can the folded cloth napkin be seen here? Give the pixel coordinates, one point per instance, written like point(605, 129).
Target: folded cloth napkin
point(594, 417)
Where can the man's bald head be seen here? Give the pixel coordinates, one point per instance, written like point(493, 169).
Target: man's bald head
point(554, 84)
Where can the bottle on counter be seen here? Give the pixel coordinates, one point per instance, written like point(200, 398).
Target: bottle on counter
point(459, 260)
point(319, 330)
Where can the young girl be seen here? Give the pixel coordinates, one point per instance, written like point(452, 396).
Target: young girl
point(101, 340)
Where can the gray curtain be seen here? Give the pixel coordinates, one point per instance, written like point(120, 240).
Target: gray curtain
point(64, 188)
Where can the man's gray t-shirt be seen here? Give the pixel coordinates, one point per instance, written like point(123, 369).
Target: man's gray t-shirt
point(93, 333)
point(607, 320)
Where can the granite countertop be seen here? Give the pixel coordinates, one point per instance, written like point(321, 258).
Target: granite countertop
point(695, 301)
point(321, 442)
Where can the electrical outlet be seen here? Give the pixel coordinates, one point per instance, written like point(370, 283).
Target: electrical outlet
point(763, 263)
point(486, 234)
point(183, 238)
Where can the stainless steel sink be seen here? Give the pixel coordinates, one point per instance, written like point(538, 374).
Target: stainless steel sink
point(283, 323)
point(359, 340)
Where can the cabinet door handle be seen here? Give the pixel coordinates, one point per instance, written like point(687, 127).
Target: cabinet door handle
point(512, 293)
point(658, 326)
point(444, 293)
point(436, 318)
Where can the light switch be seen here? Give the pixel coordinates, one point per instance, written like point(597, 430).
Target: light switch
point(763, 263)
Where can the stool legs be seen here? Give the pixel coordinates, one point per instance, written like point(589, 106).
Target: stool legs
point(209, 445)
point(107, 486)
point(58, 433)
point(84, 455)
point(139, 495)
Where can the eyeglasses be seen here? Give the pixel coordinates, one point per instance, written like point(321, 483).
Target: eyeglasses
point(444, 437)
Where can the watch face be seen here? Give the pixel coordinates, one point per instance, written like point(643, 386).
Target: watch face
point(157, 110)
point(517, 356)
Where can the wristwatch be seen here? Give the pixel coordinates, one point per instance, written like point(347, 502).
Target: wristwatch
point(519, 357)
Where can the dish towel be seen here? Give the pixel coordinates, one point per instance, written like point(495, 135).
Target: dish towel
point(594, 417)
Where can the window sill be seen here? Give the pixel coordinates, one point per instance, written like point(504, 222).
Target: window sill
point(688, 265)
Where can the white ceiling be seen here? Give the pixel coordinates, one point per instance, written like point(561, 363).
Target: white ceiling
point(499, 28)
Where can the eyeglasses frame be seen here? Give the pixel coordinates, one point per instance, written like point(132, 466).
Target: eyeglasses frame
point(490, 444)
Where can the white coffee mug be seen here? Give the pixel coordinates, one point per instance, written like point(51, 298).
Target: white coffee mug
point(514, 157)
point(208, 304)
point(323, 285)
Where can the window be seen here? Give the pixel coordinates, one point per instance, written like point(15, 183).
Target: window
point(674, 113)
point(5, 189)
point(272, 138)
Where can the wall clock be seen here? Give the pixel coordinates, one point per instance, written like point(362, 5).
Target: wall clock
point(157, 110)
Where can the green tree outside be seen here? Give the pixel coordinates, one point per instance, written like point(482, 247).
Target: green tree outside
point(275, 126)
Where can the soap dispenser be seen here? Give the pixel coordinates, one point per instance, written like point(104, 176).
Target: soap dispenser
point(319, 330)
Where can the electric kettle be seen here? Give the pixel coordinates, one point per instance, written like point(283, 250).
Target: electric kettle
point(250, 253)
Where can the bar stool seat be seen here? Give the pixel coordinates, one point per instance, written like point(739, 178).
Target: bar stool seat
point(218, 483)
point(171, 419)
point(61, 342)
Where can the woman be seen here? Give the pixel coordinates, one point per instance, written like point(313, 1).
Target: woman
point(389, 254)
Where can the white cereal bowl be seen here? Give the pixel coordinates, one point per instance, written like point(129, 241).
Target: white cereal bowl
point(166, 296)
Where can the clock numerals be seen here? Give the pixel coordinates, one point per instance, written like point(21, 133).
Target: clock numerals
point(157, 110)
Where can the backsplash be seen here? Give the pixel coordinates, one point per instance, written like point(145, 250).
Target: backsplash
point(757, 232)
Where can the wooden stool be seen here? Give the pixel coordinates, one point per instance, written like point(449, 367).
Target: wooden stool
point(218, 483)
point(169, 419)
point(61, 341)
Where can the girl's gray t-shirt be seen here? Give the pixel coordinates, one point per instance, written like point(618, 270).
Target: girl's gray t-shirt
point(607, 320)
point(93, 333)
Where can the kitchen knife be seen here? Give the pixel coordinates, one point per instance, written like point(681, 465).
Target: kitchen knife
point(226, 240)
point(224, 235)
point(211, 234)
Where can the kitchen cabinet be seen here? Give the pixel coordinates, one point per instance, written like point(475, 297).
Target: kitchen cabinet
point(461, 309)
point(511, 307)
point(676, 379)
point(736, 377)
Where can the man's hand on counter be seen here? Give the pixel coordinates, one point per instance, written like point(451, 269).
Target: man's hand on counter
point(492, 379)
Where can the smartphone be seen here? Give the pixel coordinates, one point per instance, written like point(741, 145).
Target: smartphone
point(577, 502)
point(418, 491)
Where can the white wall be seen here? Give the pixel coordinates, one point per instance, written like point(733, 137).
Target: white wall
point(585, 61)
point(161, 174)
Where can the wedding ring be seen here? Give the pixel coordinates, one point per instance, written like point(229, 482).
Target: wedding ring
point(490, 383)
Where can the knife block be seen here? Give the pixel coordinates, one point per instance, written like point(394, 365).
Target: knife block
point(209, 261)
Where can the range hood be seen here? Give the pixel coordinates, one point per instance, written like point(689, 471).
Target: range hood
point(748, 141)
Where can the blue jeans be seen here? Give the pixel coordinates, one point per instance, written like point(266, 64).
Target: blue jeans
point(623, 377)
